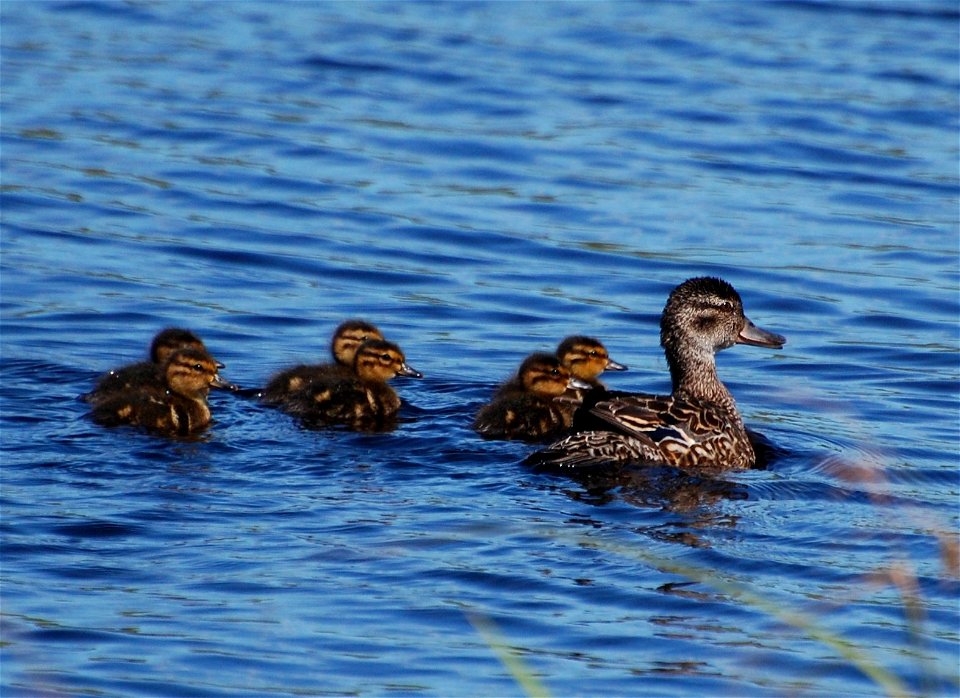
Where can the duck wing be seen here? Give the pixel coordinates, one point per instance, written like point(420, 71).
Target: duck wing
point(621, 428)
point(595, 449)
point(685, 431)
point(656, 418)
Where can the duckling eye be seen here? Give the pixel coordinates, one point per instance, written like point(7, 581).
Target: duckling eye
point(197, 367)
point(386, 357)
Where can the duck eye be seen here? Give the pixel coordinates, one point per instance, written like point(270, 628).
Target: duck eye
point(197, 367)
point(386, 357)
point(706, 320)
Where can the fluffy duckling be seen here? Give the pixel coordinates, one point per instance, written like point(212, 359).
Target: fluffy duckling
point(347, 338)
point(178, 407)
point(698, 424)
point(586, 358)
point(361, 400)
point(529, 405)
point(146, 373)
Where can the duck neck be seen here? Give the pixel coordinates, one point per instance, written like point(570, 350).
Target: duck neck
point(695, 376)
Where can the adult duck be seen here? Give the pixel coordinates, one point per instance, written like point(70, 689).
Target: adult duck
point(698, 424)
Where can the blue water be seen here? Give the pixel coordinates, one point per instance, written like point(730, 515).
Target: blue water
point(479, 180)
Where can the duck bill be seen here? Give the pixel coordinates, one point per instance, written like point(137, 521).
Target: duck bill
point(218, 382)
point(759, 337)
point(578, 384)
point(614, 366)
point(408, 372)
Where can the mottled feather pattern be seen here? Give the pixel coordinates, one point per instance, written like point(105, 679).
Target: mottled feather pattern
point(293, 380)
point(520, 415)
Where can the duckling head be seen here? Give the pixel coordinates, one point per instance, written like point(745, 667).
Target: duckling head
point(377, 360)
point(543, 374)
point(704, 315)
point(586, 357)
point(348, 337)
point(169, 340)
point(192, 372)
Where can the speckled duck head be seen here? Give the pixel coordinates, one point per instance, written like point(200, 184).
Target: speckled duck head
point(542, 374)
point(348, 337)
point(702, 316)
point(192, 372)
point(586, 357)
point(378, 361)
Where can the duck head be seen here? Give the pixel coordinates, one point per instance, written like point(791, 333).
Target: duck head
point(169, 340)
point(543, 374)
point(705, 315)
point(378, 360)
point(586, 357)
point(192, 372)
point(348, 337)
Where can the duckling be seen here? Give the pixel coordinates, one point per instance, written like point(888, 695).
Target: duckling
point(347, 338)
point(586, 358)
point(363, 400)
point(528, 406)
point(146, 372)
point(178, 407)
point(698, 424)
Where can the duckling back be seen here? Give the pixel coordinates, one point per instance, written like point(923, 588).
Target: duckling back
point(529, 406)
point(520, 415)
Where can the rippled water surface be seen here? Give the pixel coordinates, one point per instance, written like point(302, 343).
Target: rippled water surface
point(480, 180)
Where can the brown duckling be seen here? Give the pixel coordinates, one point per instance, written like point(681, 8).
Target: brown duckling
point(362, 400)
point(347, 338)
point(586, 358)
point(529, 405)
point(698, 424)
point(178, 407)
point(148, 372)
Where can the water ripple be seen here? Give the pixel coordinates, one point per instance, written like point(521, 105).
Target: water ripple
point(480, 180)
